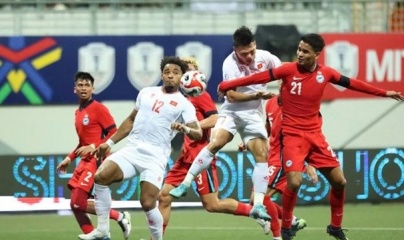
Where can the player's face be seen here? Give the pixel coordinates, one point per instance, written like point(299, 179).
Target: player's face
point(306, 56)
point(246, 54)
point(171, 77)
point(191, 67)
point(83, 89)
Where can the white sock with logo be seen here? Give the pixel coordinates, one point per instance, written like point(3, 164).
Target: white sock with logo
point(102, 207)
point(200, 163)
point(155, 221)
point(260, 183)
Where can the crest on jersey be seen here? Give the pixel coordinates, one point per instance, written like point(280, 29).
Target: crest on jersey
point(99, 60)
point(86, 120)
point(202, 53)
point(144, 64)
point(320, 77)
point(344, 57)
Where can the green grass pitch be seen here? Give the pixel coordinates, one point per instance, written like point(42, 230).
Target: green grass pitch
point(364, 222)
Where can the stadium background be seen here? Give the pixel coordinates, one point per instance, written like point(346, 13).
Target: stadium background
point(43, 43)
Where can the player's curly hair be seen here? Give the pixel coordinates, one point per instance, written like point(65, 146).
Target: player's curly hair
point(315, 40)
point(243, 37)
point(84, 75)
point(173, 60)
point(192, 61)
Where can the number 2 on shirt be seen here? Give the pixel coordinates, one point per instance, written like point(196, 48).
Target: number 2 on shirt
point(296, 88)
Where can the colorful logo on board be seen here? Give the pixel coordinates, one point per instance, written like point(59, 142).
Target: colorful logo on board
point(20, 67)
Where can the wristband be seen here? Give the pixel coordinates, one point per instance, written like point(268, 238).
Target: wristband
point(187, 129)
point(92, 145)
point(110, 143)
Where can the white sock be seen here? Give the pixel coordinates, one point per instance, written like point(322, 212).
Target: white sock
point(260, 183)
point(102, 207)
point(294, 220)
point(155, 220)
point(200, 163)
point(120, 217)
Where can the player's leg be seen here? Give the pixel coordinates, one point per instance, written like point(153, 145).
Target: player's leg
point(78, 199)
point(295, 148)
point(78, 205)
point(254, 135)
point(122, 218)
point(223, 133)
point(207, 187)
point(174, 178)
point(326, 161)
point(114, 169)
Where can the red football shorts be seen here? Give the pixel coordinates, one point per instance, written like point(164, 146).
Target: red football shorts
point(277, 178)
point(298, 146)
point(206, 182)
point(83, 175)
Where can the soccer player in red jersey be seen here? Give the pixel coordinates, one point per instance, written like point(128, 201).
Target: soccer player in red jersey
point(303, 85)
point(94, 124)
point(206, 181)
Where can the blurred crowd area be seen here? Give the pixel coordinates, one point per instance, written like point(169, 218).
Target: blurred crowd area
point(388, 14)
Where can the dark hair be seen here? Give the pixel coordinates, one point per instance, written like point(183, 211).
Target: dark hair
point(315, 40)
point(243, 37)
point(174, 60)
point(84, 75)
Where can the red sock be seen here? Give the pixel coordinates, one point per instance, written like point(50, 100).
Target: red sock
point(257, 78)
point(83, 221)
point(337, 198)
point(243, 209)
point(288, 204)
point(164, 228)
point(280, 212)
point(114, 214)
point(273, 212)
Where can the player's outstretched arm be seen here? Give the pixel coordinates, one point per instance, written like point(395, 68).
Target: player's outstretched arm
point(258, 78)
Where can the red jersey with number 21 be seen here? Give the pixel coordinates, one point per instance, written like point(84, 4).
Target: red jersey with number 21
point(301, 94)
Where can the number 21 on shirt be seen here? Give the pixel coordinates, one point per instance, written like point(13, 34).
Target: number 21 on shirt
point(296, 88)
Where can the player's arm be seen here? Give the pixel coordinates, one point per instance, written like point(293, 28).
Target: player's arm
point(361, 86)
point(234, 96)
point(258, 78)
point(62, 166)
point(124, 129)
point(210, 121)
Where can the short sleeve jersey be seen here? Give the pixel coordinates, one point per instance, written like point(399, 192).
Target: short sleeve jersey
point(156, 111)
point(233, 69)
point(301, 94)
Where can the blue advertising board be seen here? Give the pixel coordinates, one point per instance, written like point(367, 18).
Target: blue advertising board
point(40, 70)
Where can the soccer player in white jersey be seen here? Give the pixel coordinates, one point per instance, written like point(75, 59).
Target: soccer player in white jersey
point(160, 113)
point(241, 112)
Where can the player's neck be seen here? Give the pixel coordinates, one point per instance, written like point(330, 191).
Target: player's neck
point(310, 68)
point(85, 102)
point(169, 89)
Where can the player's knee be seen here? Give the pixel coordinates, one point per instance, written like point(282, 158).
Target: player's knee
point(165, 198)
point(78, 204)
point(211, 207)
point(294, 182)
point(101, 179)
point(215, 145)
point(147, 204)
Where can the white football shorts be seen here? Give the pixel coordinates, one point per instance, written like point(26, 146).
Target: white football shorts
point(143, 159)
point(249, 124)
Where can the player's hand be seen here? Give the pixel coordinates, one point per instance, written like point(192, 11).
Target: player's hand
point(311, 173)
point(61, 168)
point(242, 147)
point(220, 94)
point(395, 95)
point(102, 151)
point(263, 95)
point(180, 127)
point(84, 150)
